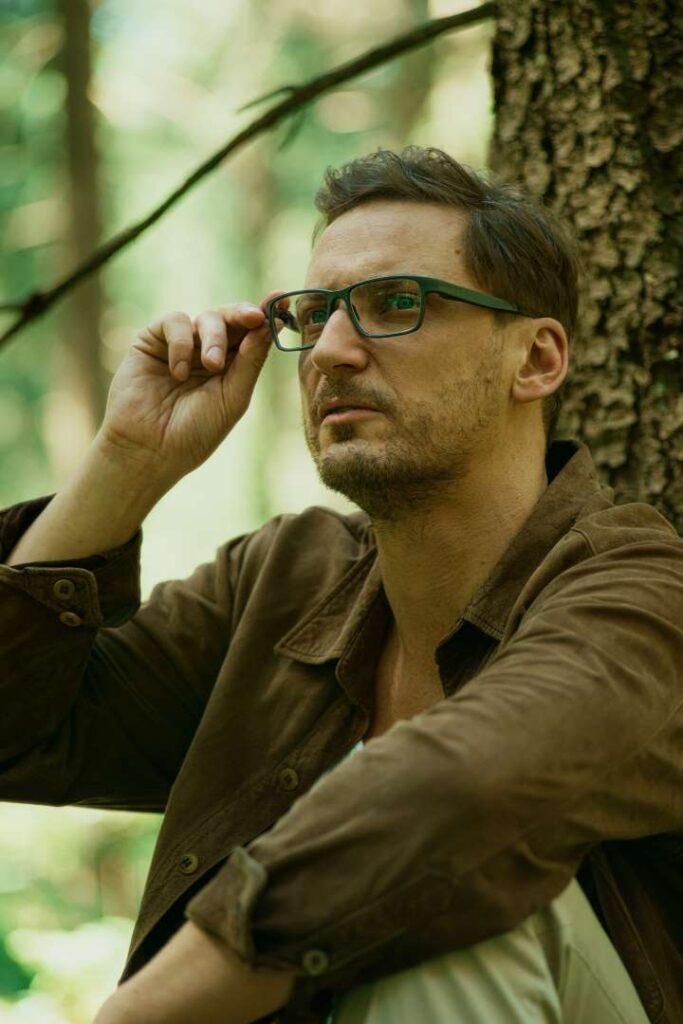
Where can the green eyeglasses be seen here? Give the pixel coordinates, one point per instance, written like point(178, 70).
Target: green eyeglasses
point(380, 307)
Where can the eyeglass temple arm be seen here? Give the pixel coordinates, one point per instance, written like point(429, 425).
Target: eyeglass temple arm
point(481, 299)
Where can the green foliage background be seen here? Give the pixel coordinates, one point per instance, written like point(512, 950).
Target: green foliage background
point(168, 77)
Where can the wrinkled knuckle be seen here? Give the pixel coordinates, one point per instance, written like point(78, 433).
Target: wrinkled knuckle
point(231, 310)
point(177, 316)
point(180, 348)
point(206, 315)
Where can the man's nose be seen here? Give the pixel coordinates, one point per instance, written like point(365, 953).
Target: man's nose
point(339, 344)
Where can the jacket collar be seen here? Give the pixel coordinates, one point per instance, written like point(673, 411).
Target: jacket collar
point(330, 629)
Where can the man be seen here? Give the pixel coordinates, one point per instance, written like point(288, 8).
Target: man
point(503, 642)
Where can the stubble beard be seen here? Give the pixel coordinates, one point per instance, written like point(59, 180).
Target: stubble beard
point(418, 458)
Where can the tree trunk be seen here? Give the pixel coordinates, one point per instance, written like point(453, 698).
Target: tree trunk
point(76, 405)
point(585, 98)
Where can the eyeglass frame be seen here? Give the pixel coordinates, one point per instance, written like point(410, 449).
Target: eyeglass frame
point(428, 286)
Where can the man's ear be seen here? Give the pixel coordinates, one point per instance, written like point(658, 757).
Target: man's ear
point(545, 360)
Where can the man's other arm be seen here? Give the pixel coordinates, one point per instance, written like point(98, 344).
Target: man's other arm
point(456, 825)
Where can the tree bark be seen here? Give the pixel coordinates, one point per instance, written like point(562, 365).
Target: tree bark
point(585, 97)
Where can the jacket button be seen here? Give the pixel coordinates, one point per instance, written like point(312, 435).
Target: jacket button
point(70, 619)
point(315, 961)
point(63, 590)
point(188, 863)
point(288, 778)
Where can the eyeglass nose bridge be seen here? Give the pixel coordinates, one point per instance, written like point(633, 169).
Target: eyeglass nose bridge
point(339, 301)
point(334, 303)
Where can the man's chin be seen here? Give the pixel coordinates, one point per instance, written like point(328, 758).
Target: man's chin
point(343, 455)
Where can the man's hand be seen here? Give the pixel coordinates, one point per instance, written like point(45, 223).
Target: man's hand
point(197, 978)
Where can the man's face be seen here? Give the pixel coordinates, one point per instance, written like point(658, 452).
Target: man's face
point(440, 392)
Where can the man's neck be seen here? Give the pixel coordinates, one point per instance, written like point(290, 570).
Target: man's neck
point(433, 564)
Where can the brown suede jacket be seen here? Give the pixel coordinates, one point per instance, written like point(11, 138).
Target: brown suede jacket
point(557, 750)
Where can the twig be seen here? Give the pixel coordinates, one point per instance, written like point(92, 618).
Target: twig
point(296, 97)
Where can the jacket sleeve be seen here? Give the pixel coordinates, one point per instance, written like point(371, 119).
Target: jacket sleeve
point(101, 697)
point(456, 825)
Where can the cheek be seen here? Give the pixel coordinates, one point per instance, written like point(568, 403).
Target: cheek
point(305, 402)
point(305, 369)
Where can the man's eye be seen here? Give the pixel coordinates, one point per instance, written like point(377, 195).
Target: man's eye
point(312, 316)
point(401, 301)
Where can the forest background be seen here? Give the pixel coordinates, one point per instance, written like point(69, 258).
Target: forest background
point(104, 109)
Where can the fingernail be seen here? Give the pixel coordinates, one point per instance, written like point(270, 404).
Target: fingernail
point(182, 370)
point(215, 354)
point(248, 308)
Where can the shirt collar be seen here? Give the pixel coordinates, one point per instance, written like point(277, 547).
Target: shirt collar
point(331, 627)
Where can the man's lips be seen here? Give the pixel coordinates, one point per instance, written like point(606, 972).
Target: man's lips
point(337, 405)
point(347, 412)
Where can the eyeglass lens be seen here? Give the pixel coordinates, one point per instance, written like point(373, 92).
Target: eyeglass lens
point(381, 307)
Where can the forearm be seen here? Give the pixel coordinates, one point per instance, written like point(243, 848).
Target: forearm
point(197, 978)
point(99, 508)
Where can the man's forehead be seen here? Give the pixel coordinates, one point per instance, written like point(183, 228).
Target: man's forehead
point(335, 276)
point(380, 238)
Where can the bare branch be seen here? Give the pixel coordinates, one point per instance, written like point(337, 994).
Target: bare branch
point(296, 98)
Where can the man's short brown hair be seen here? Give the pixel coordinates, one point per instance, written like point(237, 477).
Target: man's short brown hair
point(514, 246)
